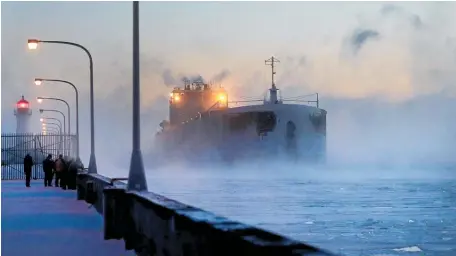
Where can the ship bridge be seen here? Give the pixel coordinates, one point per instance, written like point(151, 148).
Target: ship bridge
point(194, 98)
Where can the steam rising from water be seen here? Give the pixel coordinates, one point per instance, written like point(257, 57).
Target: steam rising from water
point(386, 75)
point(388, 86)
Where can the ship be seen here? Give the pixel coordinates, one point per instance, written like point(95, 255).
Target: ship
point(204, 125)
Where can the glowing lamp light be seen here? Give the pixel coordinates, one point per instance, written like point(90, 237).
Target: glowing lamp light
point(33, 44)
point(177, 98)
point(222, 98)
point(38, 81)
point(39, 100)
point(41, 120)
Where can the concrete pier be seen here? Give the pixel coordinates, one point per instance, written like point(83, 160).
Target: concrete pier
point(50, 221)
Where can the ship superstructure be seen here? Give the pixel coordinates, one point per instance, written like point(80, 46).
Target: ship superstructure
point(202, 126)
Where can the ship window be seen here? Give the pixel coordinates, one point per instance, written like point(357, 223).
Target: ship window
point(266, 122)
point(263, 121)
point(241, 121)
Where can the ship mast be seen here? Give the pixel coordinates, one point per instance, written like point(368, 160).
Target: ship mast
point(273, 90)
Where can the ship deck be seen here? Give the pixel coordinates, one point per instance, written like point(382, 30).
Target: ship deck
point(50, 221)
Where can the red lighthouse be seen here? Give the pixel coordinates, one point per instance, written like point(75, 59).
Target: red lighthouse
point(22, 113)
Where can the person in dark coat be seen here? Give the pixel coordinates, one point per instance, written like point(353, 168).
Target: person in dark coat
point(60, 170)
point(28, 163)
point(48, 168)
point(64, 183)
point(75, 165)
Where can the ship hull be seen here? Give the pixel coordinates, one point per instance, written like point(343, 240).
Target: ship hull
point(245, 134)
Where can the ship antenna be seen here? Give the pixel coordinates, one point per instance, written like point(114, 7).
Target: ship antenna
point(273, 90)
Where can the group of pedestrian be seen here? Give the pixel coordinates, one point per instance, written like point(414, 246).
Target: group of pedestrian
point(63, 171)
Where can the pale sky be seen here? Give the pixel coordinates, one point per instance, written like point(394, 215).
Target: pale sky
point(356, 55)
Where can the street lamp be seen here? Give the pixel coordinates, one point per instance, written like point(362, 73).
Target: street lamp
point(33, 45)
point(136, 176)
point(62, 146)
point(50, 129)
point(50, 118)
point(46, 126)
point(57, 111)
point(39, 81)
point(40, 99)
point(66, 145)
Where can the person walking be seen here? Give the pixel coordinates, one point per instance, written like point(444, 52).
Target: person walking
point(59, 171)
point(65, 172)
point(74, 167)
point(28, 163)
point(48, 168)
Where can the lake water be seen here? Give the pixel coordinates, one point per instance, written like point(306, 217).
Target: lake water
point(352, 211)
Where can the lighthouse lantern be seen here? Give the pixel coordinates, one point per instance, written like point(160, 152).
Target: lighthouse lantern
point(22, 104)
point(23, 114)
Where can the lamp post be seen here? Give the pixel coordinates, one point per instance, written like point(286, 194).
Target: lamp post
point(33, 45)
point(136, 175)
point(40, 99)
point(51, 118)
point(57, 111)
point(50, 129)
point(39, 81)
point(46, 125)
point(64, 122)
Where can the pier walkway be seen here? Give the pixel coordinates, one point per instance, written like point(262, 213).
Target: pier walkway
point(50, 221)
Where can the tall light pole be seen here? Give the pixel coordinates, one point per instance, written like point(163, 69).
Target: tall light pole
point(51, 123)
point(64, 122)
point(136, 175)
point(42, 119)
point(40, 99)
point(56, 111)
point(39, 81)
point(50, 129)
point(46, 124)
point(33, 45)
